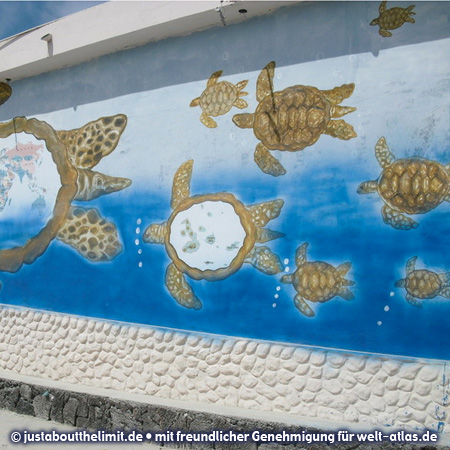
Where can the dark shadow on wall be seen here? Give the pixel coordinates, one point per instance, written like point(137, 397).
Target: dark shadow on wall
point(300, 33)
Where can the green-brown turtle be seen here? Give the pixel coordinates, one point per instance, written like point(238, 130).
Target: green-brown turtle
point(390, 19)
point(407, 186)
point(317, 281)
point(218, 98)
point(5, 92)
point(209, 237)
point(294, 118)
point(423, 284)
point(74, 153)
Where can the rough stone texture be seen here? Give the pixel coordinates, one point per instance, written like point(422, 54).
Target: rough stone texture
point(347, 387)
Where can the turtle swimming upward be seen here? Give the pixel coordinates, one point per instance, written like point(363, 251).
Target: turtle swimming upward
point(407, 186)
point(317, 281)
point(423, 284)
point(218, 98)
point(390, 19)
point(209, 237)
point(74, 153)
point(294, 118)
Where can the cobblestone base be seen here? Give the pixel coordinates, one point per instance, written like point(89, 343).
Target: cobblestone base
point(359, 389)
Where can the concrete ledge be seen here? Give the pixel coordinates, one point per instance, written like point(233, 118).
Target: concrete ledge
point(95, 412)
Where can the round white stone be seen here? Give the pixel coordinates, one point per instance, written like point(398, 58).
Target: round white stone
point(207, 235)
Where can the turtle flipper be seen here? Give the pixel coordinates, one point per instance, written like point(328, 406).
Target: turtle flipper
point(268, 163)
point(411, 265)
point(208, 121)
point(302, 306)
point(300, 254)
point(445, 292)
point(181, 183)
point(213, 78)
point(241, 85)
point(445, 279)
point(384, 156)
point(385, 33)
point(155, 233)
point(264, 212)
point(90, 235)
point(180, 290)
point(339, 111)
point(92, 184)
point(264, 84)
point(87, 145)
point(266, 235)
point(338, 94)
point(340, 129)
point(264, 260)
point(413, 301)
point(343, 268)
point(397, 220)
point(346, 294)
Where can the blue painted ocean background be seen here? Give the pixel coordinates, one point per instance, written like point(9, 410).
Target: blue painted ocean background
point(402, 92)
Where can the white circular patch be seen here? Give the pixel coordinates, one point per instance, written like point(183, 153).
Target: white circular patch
point(207, 235)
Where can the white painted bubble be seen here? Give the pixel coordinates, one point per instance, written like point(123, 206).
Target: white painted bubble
point(139, 221)
point(276, 295)
point(379, 323)
point(278, 288)
point(136, 241)
point(386, 308)
point(274, 305)
point(287, 269)
point(286, 261)
point(140, 264)
point(138, 230)
point(140, 251)
point(391, 294)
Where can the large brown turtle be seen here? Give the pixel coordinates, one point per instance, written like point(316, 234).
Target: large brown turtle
point(294, 118)
point(317, 281)
point(407, 186)
point(5, 92)
point(209, 237)
point(75, 153)
point(218, 98)
point(390, 19)
point(423, 284)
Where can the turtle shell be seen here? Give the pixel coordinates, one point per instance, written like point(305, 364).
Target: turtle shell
point(317, 281)
point(218, 99)
point(292, 119)
point(414, 185)
point(423, 284)
point(393, 18)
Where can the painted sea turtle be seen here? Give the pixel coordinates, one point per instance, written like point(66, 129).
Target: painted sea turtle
point(294, 118)
point(5, 92)
point(423, 284)
point(390, 19)
point(218, 98)
point(209, 237)
point(411, 186)
point(74, 153)
point(317, 281)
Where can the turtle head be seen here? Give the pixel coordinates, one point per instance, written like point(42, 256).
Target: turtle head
point(243, 120)
point(155, 233)
point(368, 187)
point(400, 283)
point(93, 184)
point(374, 21)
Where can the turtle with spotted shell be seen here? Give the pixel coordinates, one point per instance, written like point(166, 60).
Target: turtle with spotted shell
point(294, 118)
point(75, 153)
point(407, 186)
point(209, 237)
point(390, 19)
point(218, 98)
point(317, 281)
point(423, 284)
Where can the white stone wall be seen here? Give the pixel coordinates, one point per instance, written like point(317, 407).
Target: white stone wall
point(321, 384)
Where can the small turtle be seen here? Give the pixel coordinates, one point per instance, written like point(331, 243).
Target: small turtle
point(5, 92)
point(412, 186)
point(317, 281)
point(423, 284)
point(74, 153)
point(209, 237)
point(218, 98)
point(294, 118)
point(390, 19)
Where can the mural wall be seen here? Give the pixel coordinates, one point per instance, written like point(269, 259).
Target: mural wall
point(217, 182)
